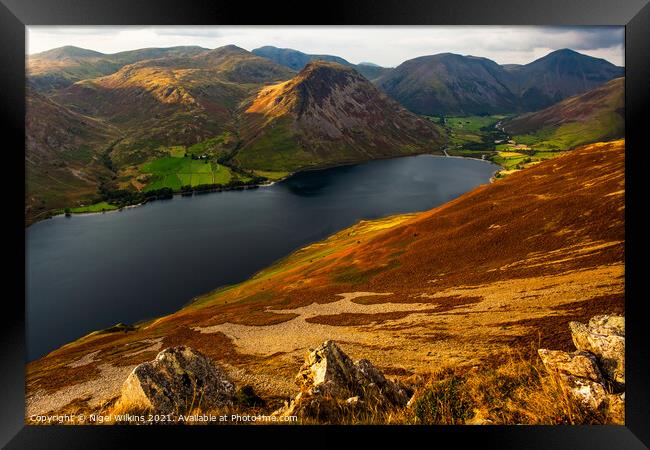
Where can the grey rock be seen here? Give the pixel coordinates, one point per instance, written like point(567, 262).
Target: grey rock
point(579, 364)
point(177, 380)
point(605, 338)
point(590, 393)
point(608, 325)
point(578, 374)
point(330, 381)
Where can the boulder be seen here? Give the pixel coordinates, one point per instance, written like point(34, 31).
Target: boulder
point(590, 373)
point(608, 325)
point(331, 382)
point(327, 371)
point(578, 364)
point(604, 336)
point(590, 393)
point(177, 380)
point(578, 374)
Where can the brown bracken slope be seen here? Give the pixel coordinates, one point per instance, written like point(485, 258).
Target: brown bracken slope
point(504, 266)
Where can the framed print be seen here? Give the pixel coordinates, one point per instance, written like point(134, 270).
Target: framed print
point(397, 218)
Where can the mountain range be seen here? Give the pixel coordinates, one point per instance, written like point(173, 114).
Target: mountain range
point(450, 84)
point(284, 111)
point(63, 66)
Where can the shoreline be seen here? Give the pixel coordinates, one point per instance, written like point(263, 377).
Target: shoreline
point(271, 183)
point(175, 194)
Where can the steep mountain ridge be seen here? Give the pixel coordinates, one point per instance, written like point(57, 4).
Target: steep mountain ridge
point(559, 75)
point(328, 114)
point(450, 84)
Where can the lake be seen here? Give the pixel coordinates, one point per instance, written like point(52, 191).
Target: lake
point(88, 272)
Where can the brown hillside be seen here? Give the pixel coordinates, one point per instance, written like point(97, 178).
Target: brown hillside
point(172, 100)
point(329, 114)
point(604, 103)
point(504, 266)
point(62, 155)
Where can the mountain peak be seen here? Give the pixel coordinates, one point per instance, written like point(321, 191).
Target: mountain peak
point(230, 49)
point(67, 51)
point(566, 54)
point(322, 67)
point(565, 51)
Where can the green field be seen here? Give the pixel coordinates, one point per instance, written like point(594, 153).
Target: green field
point(174, 172)
point(473, 130)
point(517, 162)
point(570, 135)
point(97, 207)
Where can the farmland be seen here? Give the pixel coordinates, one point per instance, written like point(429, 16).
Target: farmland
point(174, 172)
point(479, 137)
point(97, 207)
point(472, 130)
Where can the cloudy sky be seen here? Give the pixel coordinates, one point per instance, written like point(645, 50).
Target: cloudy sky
point(387, 46)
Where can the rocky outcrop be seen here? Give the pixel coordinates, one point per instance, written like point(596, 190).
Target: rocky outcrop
point(595, 373)
point(604, 336)
point(331, 382)
point(178, 380)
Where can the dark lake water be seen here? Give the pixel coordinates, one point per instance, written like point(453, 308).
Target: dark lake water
point(88, 272)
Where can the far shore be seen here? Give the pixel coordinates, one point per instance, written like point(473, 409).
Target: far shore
point(271, 183)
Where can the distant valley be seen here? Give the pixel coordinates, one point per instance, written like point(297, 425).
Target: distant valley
point(105, 131)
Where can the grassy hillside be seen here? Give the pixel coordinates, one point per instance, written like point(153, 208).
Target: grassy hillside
point(174, 100)
point(63, 156)
point(214, 106)
point(505, 266)
point(61, 67)
point(590, 117)
point(450, 84)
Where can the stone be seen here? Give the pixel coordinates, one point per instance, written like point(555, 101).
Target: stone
point(590, 373)
point(176, 381)
point(605, 338)
point(578, 374)
point(328, 371)
point(353, 400)
point(330, 381)
point(579, 364)
point(370, 381)
point(608, 325)
point(590, 393)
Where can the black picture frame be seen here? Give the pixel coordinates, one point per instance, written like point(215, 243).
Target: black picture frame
point(15, 15)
